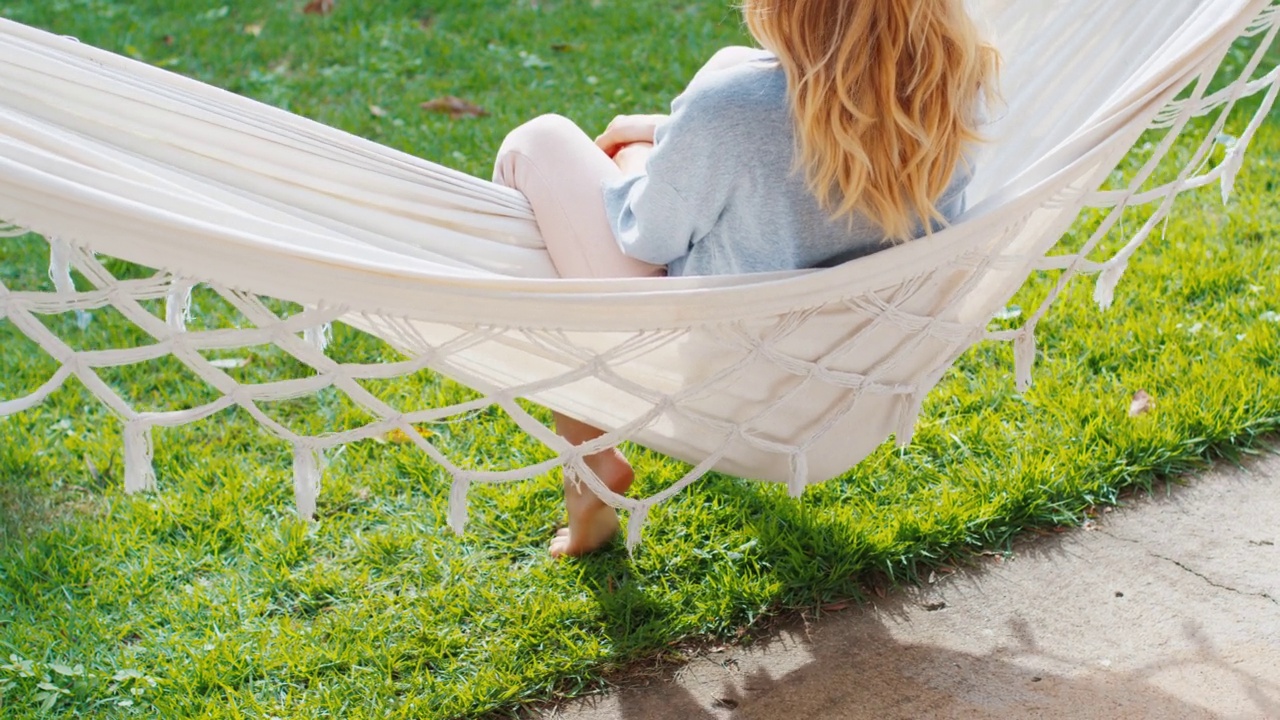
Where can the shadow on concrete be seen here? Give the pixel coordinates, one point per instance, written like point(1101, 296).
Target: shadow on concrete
point(857, 669)
point(1034, 640)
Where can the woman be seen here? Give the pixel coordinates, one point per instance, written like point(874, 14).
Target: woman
point(846, 133)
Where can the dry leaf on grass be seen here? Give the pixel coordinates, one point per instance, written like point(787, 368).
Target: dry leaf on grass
point(319, 7)
point(1142, 404)
point(400, 437)
point(456, 107)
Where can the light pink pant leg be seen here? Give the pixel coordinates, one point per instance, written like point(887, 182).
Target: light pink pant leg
point(553, 162)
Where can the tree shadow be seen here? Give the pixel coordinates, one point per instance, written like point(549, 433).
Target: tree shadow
point(853, 666)
point(857, 669)
point(859, 664)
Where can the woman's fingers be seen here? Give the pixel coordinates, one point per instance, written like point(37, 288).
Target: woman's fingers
point(632, 158)
point(627, 129)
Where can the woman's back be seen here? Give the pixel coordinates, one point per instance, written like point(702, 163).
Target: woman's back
point(721, 193)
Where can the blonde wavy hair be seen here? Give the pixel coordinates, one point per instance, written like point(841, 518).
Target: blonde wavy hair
point(885, 95)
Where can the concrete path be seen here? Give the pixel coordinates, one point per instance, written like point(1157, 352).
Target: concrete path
point(1169, 608)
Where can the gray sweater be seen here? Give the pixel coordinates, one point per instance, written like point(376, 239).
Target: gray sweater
point(720, 194)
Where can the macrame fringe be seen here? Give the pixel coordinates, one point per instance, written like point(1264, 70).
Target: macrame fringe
point(799, 474)
point(319, 336)
point(1231, 166)
point(60, 273)
point(458, 505)
point(635, 527)
point(60, 266)
point(1104, 290)
point(308, 465)
point(177, 310)
point(1024, 357)
point(139, 474)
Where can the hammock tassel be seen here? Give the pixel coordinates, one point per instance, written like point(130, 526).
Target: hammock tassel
point(1231, 165)
point(1024, 357)
point(60, 266)
point(635, 526)
point(60, 274)
point(177, 310)
point(139, 475)
point(319, 336)
point(1104, 291)
point(308, 465)
point(799, 474)
point(909, 410)
point(458, 504)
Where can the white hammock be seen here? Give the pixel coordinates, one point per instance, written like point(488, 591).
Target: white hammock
point(790, 377)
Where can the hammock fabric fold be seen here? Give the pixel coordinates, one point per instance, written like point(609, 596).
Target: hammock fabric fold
point(790, 377)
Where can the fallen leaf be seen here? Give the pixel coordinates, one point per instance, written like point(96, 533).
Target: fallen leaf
point(167, 40)
point(319, 7)
point(456, 107)
point(1142, 404)
point(254, 30)
point(400, 437)
point(377, 111)
point(836, 606)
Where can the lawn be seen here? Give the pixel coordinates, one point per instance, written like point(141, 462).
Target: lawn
point(210, 598)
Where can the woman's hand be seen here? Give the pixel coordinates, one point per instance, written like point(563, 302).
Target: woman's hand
point(632, 157)
point(627, 129)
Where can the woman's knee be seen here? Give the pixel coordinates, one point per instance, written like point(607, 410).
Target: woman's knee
point(543, 134)
point(542, 131)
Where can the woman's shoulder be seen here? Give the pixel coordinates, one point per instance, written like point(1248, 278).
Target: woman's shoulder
point(756, 86)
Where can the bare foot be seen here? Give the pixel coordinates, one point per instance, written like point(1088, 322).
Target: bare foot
point(592, 523)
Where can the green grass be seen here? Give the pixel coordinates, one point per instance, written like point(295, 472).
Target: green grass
point(208, 598)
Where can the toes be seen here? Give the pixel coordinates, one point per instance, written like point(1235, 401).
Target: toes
point(559, 547)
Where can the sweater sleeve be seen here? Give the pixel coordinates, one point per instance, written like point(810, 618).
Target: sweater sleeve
point(659, 216)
